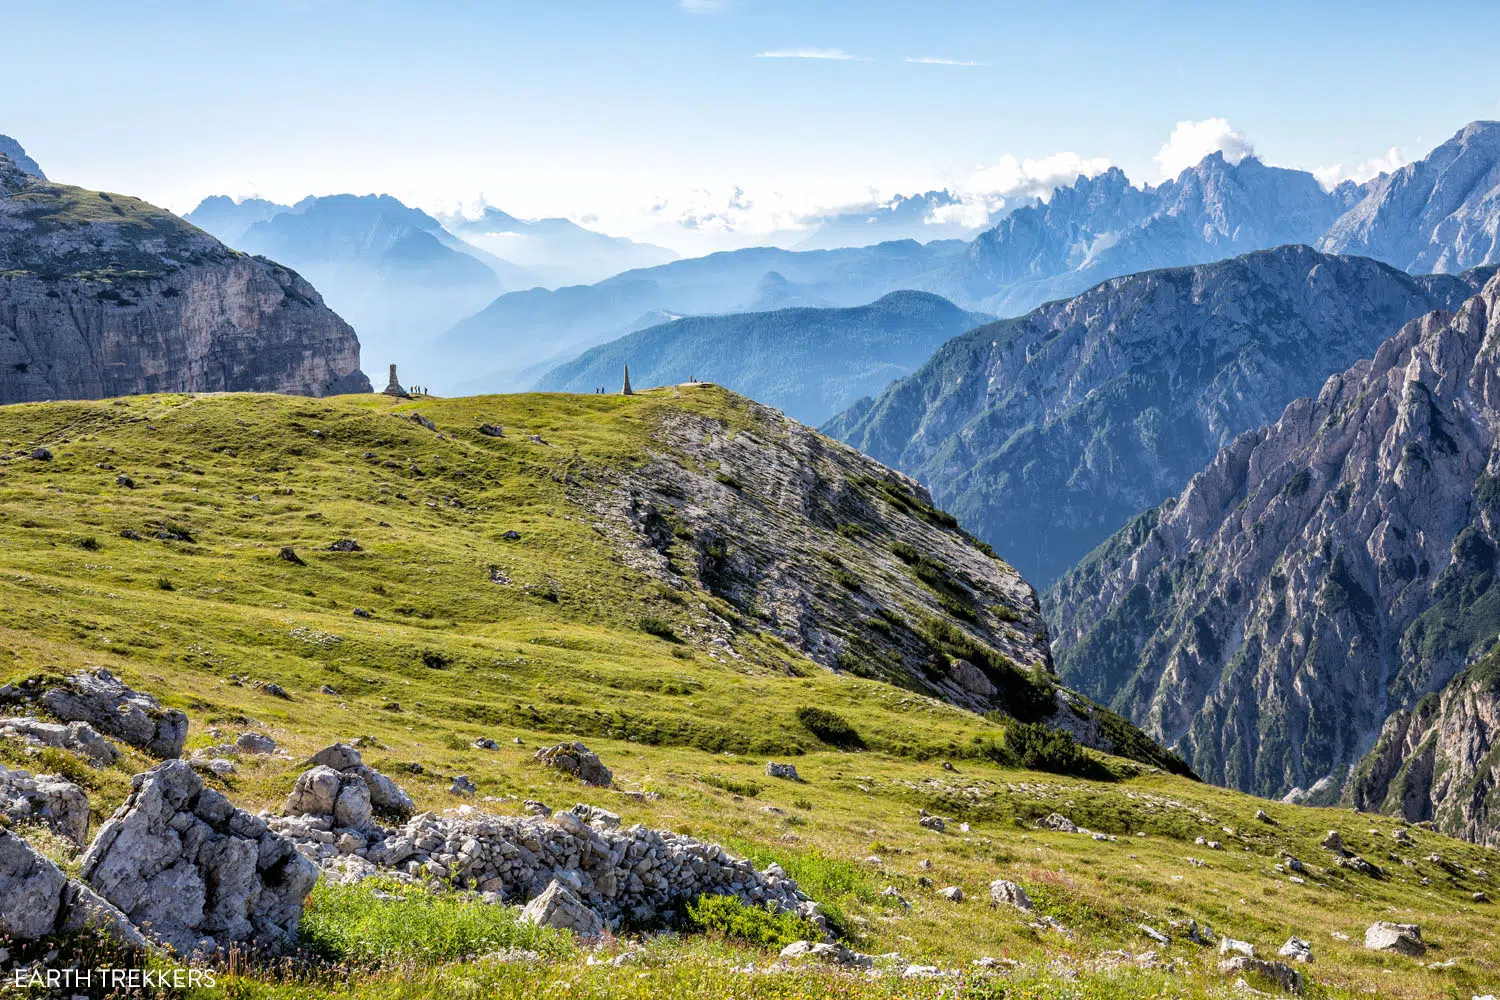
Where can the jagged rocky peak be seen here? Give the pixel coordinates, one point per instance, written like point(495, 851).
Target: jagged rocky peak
point(104, 295)
point(1439, 214)
point(1319, 574)
point(1046, 434)
point(10, 148)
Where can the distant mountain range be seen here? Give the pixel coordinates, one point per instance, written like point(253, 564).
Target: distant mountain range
point(391, 270)
point(809, 363)
point(1316, 582)
point(518, 331)
point(1047, 433)
point(104, 295)
point(558, 251)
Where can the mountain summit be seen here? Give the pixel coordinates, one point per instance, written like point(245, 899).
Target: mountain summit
point(1441, 213)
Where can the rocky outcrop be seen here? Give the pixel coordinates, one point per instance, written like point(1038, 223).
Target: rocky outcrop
point(577, 760)
point(79, 737)
point(813, 543)
point(558, 907)
point(100, 701)
point(195, 872)
point(620, 875)
point(1441, 213)
point(1048, 433)
point(11, 148)
point(105, 295)
point(45, 798)
point(1320, 574)
point(39, 901)
point(1438, 761)
point(384, 795)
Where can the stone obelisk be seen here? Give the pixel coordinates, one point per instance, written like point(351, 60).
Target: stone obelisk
point(628, 391)
point(393, 387)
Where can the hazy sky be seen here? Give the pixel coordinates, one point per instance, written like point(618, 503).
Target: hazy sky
point(702, 123)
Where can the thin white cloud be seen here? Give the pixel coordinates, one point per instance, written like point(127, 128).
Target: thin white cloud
point(1335, 174)
point(936, 61)
point(1191, 141)
point(838, 55)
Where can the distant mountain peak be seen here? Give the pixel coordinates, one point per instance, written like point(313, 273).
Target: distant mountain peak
point(12, 149)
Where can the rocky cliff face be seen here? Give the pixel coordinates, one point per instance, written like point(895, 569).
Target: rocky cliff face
point(1320, 574)
point(1047, 433)
point(11, 148)
point(1441, 213)
point(1439, 761)
point(104, 295)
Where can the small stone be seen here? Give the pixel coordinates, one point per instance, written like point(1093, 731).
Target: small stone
point(290, 555)
point(1154, 934)
point(345, 545)
point(952, 893)
point(125, 481)
point(786, 771)
point(1060, 823)
point(463, 786)
point(1005, 892)
point(1297, 950)
point(41, 454)
point(1334, 841)
point(1405, 939)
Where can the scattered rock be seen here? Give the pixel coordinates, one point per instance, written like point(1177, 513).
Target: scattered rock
point(182, 861)
point(110, 707)
point(1004, 892)
point(491, 430)
point(558, 907)
point(276, 691)
point(290, 555)
point(1405, 939)
point(417, 418)
point(485, 743)
point(1285, 977)
point(1060, 823)
point(1228, 945)
point(934, 823)
point(1334, 842)
point(952, 893)
point(345, 545)
point(41, 454)
point(255, 743)
point(1297, 950)
point(1154, 934)
point(125, 481)
point(787, 771)
point(577, 760)
point(889, 892)
point(462, 785)
point(1264, 817)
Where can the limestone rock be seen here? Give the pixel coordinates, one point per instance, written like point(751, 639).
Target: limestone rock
point(787, 771)
point(386, 797)
point(79, 737)
point(180, 860)
point(37, 900)
point(1297, 950)
point(1060, 823)
point(577, 760)
point(187, 314)
point(1405, 939)
point(45, 798)
point(1007, 893)
point(558, 907)
point(1285, 977)
point(106, 704)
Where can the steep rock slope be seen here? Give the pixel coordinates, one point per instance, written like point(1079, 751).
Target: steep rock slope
point(1319, 574)
point(1104, 226)
point(11, 148)
point(810, 363)
point(1441, 213)
point(1439, 762)
point(105, 295)
point(1047, 433)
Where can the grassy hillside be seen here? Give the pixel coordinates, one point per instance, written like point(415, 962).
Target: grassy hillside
point(580, 642)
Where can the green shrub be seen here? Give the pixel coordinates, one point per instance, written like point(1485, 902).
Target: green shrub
point(659, 628)
point(851, 531)
point(847, 580)
point(734, 786)
point(1036, 747)
point(758, 926)
point(906, 552)
point(830, 727)
point(88, 544)
point(380, 920)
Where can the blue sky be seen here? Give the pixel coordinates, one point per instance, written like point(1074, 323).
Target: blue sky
point(637, 114)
